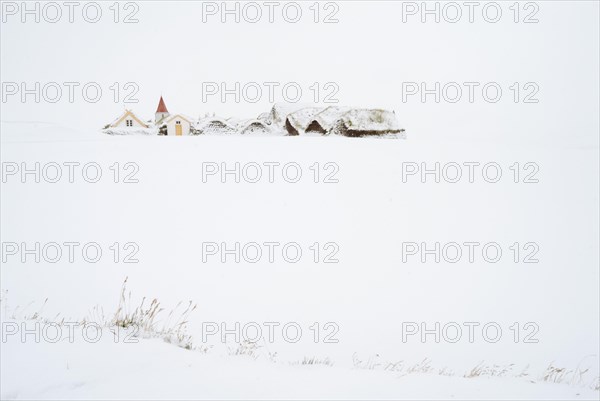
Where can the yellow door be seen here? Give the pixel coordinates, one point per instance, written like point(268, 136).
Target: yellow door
point(178, 130)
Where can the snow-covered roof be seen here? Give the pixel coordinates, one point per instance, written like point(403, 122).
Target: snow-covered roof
point(330, 115)
point(280, 112)
point(301, 119)
point(371, 120)
point(207, 120)
point(237, 121)
point(264, 117)
point(210, 125)
point(181, 116)
point(125, 114)
point(253, 127)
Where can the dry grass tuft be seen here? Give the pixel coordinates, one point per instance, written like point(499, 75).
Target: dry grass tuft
point(489, 370)
point(554, 374)
point(146, 320)
point(245, 348)
point(313, 361)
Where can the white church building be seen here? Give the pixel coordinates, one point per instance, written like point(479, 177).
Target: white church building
point(167, 124)
point(176, 125)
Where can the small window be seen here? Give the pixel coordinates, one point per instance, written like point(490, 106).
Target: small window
point(178, 122)
point(129, 123)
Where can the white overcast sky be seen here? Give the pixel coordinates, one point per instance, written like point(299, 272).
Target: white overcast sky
point(369, 53)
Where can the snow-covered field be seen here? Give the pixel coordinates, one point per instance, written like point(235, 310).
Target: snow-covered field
point(459, 263)
point(366, 296)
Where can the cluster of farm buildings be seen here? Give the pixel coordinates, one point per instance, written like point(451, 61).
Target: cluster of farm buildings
point(283, 119)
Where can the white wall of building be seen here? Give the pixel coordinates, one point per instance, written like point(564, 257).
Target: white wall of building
point(132, 123)
point(172, 126)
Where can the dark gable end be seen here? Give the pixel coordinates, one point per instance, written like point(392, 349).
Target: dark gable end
point(290, 128)
point(314, 126)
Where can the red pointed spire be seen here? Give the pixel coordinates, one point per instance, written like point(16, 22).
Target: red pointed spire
point(161, 106)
